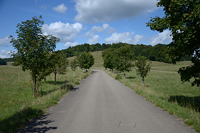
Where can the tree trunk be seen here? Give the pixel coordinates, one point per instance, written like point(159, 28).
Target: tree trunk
point(143, 81)
point(55, 74)
point(34, 86)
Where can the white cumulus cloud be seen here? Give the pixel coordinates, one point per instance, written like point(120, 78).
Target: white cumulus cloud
point(4, 41)
point(68, 44)
point(125, 37)
point(60, 8)
point(4, 54)
point(103, 28)
point(64, 31)
point(137, 39)
point(94, 39)
point(163, 37)
point(108, 10)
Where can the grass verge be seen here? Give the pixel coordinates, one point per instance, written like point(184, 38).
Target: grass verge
point(164, 89)
point(17, 105)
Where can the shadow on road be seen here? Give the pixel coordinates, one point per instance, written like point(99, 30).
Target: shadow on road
point(185, 101)
point(38, 126)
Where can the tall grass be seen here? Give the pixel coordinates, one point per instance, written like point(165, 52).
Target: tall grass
point(17, 105)
point(164, 88)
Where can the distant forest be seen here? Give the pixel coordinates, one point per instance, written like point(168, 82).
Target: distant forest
point(153, 53)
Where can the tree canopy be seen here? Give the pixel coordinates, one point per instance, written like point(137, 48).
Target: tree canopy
point(58, 63)
point(119, 58)
point(85, 60)
point(182, 18)
point(123, 58)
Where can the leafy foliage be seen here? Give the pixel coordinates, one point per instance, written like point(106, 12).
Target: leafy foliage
point(123, 58)
point(33, 48)
point(119, 58)
point(85, 60)
point(58, 63)
point(182, 18)
point(142, 67)
point(108, 59)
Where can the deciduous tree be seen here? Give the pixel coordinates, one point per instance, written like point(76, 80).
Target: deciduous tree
point(182, 18)
point(142, 67)
point(58, 63)
point(85, 60)
point(123, 58)
point(33, 48)
point(108, 58)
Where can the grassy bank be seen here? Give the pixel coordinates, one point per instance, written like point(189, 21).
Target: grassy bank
point(164, 89)
point(17, 105)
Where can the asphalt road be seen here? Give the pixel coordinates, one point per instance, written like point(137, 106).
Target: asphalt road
point(101, 104)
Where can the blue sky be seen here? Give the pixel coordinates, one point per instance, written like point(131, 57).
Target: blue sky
point(84, 21)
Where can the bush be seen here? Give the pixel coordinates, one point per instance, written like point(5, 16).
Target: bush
point(118, 77)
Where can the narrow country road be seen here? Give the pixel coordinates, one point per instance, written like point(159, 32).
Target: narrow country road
point(101, 104)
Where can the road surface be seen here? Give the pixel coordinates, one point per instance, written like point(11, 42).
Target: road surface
point(101, 104)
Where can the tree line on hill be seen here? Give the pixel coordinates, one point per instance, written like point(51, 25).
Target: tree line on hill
point(158, 52)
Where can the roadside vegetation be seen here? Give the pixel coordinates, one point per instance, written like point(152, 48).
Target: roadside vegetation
point(17, 104)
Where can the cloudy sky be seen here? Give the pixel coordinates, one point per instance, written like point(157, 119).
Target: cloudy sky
point(84, 21)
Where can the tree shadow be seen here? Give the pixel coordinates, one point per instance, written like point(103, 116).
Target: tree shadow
point(185, 101)
point(38, 126)
point(130, 77)
point(69, 87)
point(46, 92)
point(56, 83)
point(17, 120)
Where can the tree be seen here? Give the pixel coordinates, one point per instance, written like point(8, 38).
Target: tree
point(182, 18)
point(74, 64)
point(58, 63)
point(33, 49)
point(108, 58)
point(85, 60)
point(123, 57)
point(142, 67)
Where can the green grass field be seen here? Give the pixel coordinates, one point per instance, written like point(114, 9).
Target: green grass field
point(164, 88)
point(17, 105)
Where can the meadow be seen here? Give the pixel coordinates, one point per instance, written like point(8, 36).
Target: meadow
point(164, 88)
point(17, 104)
